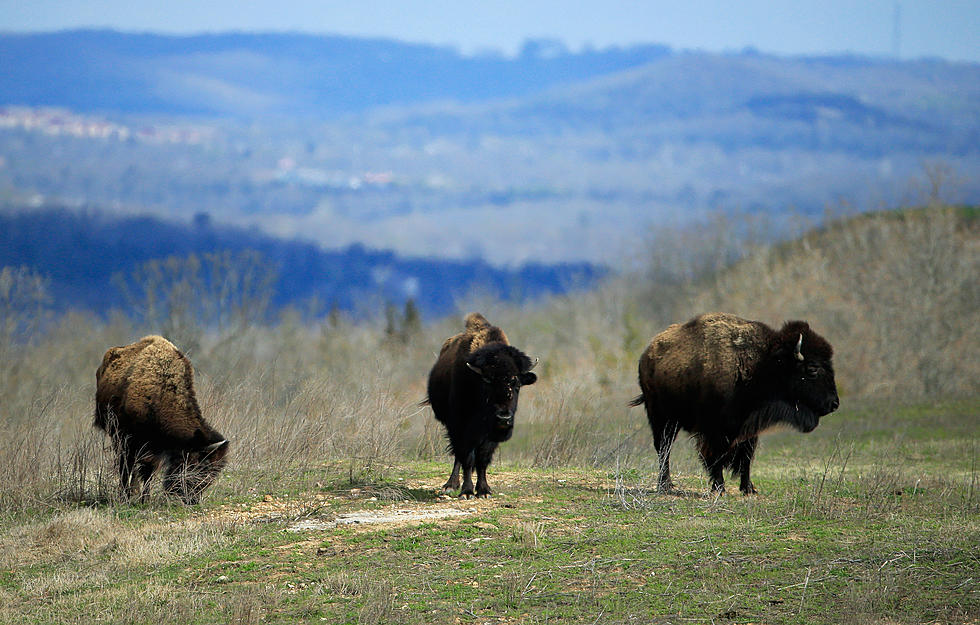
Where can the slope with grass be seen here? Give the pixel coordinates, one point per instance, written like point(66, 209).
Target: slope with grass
point(328, 509)
point(842, 533)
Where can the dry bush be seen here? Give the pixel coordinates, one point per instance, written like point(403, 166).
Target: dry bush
point(896, 294)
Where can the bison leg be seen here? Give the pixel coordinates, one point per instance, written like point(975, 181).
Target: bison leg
point(742, 458)
point(467, 489)
point(452, 484)
point(144, 473)
point(664, 434)
point(467, 465)
point(127, 462)
point(483, 456)
point(714, 463)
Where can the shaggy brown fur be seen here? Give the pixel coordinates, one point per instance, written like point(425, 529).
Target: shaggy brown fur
point(725, 379)
point(145, 401)
point(478, 332)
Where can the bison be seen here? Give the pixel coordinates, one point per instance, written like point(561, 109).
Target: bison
point(145, 402)
point(724, 380)
point(473, 389)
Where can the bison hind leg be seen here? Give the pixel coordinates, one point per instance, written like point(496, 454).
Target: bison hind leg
point(664, 434)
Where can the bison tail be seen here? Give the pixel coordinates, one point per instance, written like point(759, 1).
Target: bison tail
point(637, 401)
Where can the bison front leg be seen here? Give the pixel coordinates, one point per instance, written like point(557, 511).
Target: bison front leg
point(713, 457)
point(467, 466)
point(483, 456)
point(127, 462)
point(452, 484)
point(144, 474)
point(741, 461)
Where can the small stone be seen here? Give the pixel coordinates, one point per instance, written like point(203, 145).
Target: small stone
point(268, 498)
point(354, 492)
point(222, 579)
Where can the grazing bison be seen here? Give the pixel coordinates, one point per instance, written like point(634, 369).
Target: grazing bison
point(724, 380)
point(145, 402)
point(473, 390)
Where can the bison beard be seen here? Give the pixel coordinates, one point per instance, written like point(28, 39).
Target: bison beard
point(145, 402)
point(725, 380)
point(473, 390)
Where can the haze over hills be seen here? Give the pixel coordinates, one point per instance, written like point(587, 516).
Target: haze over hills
point(549, 156)
point(246, 75)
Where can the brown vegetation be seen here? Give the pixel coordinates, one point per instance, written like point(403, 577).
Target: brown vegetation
point(896, 293)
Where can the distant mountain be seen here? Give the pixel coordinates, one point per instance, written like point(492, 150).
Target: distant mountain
point(287, 74)
point(856, 105)
point(548, 156)
point(81, 251)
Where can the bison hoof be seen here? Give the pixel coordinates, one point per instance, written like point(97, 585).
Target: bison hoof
point(749, 490)
point(466, 494)
point(484, 493)
point(717, 489)
point(666, 487)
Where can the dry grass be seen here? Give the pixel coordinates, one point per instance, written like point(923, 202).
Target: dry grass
point(896, 294)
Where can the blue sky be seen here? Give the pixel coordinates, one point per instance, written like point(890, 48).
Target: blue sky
point(927, 28)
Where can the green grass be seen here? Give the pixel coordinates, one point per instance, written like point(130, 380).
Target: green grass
point(873, 518)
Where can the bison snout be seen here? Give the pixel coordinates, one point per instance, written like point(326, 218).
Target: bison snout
point(832, 404)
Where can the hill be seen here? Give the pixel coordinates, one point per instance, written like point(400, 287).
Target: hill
point(238, 74)
point(550, 156)
point(81, 253)
point(854, 105)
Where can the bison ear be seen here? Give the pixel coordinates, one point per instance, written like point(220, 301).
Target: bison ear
point(528, 378)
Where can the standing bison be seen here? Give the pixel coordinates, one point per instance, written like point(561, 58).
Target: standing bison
point(724, 380)
point(145, 402)
point(473, 389)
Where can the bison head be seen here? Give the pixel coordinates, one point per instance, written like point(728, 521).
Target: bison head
point(806, 384)
point(503, 370)
point(191, 471)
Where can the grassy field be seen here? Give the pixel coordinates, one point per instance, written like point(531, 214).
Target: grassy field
point(328, 509)
point(872, 518)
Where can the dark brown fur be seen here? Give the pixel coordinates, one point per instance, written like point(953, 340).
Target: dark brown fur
point(473, 389)
point(725, 380)
point(145, 401)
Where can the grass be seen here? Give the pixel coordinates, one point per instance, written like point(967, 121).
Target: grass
point(867, 520)
point(872, 518)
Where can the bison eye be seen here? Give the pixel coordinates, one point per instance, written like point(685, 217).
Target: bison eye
point(813, 372)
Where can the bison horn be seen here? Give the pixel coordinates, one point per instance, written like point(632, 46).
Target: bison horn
point(214, 446)
point(534, 363)
point(799, 348)
point(475, 369)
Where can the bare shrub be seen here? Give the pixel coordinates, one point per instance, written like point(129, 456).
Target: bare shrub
point(181, 297)
point(895, 292)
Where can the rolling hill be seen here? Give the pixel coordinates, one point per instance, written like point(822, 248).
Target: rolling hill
point(550, 156)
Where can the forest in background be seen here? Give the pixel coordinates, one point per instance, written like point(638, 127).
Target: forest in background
point(93, 261)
